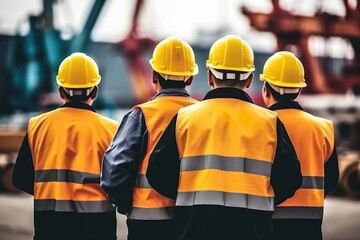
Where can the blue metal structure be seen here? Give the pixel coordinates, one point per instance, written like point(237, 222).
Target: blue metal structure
point(33, 59)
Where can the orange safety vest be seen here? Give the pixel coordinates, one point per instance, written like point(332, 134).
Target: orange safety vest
point(148, 204)
point(67, 146)
point(313, 140)
point(227, 148)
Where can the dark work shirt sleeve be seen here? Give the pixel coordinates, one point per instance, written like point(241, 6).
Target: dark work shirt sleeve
point(122, 159)
point(164, 164)
point(286, 175)
point(23, 174)
point(331, 173)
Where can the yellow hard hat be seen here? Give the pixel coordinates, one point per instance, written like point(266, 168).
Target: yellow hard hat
point(174, 57)
point(78, 71)
point(231, 53)
point(284, 69)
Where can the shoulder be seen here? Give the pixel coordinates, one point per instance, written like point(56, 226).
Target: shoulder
point(102, 120)
point(321, 121)
point(110, 121)
point(43, 116)
point(192, 107)
point(262, 112)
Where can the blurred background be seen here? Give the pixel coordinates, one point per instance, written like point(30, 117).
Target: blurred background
point(36, 35)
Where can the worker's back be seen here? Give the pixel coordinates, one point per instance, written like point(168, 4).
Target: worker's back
point(313, 139)
point(300, 217)
point(227, 147)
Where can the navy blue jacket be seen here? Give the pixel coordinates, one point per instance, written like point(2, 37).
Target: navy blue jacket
point(125, 153)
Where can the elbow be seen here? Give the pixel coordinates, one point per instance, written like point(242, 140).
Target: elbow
point(297, 183)
point(287, 189)
point(20, 185)
point(106, 188)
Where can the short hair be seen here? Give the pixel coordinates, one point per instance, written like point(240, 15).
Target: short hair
point(170, 83)
point(281, 98)
point(77, 95)
point(228, 82)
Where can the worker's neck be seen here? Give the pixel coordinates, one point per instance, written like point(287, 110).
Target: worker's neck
point(88, 102)
point(269, 101)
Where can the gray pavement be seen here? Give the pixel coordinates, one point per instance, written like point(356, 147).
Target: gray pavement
point(341, 218)
point(16, 218)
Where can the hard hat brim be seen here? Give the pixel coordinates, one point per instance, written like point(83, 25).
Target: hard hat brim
point(280, 84)
point(74, 86)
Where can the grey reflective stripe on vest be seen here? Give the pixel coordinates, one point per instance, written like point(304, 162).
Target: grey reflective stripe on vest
point(298, 213)
point(233, 164)
point(313, 182)
point(69, 176)
point(55, 175)
point(301, 212)
point(149, 213)
point(225, 199)
point(72, 206)
point(226, 163)
point(152, 213)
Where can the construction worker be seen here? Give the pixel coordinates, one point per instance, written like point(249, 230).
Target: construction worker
point(59, 162)
point(225, 160)
point(149, 214)
point(300, 217)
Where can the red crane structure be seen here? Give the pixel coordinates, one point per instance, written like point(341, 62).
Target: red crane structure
point(134, 47)
point(294, 31)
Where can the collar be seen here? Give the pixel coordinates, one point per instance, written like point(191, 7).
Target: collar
point(286, 105)
point(80, 105)
point(171, 92)
point(228, 93)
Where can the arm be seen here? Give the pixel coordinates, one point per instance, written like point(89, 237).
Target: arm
point(286, 175)
point(331, 173)
point(164, 165)
point(122, 159)
point(23, 174)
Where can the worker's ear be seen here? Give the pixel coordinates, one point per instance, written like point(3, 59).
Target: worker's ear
point(266, 95)
point(61, 92)
point(249, 80)
point(265, 91)
point(94, 92)
point(154, 77)
point(210, 78)
point(189, 81)
point(299, 92)
point(297, 95)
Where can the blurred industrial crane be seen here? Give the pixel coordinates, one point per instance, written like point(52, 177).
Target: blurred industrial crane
point(293, 31)
point(134, 47)
point(33, 59)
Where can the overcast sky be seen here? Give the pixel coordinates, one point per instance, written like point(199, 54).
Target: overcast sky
point(193, 20)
